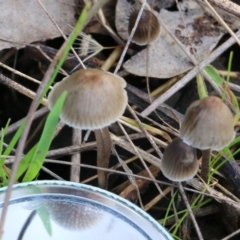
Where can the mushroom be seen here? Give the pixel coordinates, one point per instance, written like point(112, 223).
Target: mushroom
point(95, 99)
point(148, 27)
point(208, 124)
point(179, 162)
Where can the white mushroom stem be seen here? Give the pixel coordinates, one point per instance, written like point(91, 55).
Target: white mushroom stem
point(205, 164)
point(103, 154)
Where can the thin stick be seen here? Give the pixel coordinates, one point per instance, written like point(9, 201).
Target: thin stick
point(226, 5)
point(157, 198)
point(145, 132)
point(136, 151)
point(19, 73)
point(76, 157)
point(221, 21)
point(21, 89)
point(190, 211)
point(189, 76)
point(17, 124)
point(59, 29)
point(51, 173)
point(232, 235)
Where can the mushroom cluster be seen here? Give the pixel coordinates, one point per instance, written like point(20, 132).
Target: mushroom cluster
point(208, 124)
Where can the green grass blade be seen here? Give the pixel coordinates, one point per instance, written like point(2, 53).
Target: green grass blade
point(25, 162)
point(3, 132)
point(213, 74)
point(44, 216)
point(202, 90)
point(3, 173)
point(14, 140)
point(45, 140)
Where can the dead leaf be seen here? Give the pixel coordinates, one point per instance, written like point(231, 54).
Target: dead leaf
point(165, 57)
point(24, 21)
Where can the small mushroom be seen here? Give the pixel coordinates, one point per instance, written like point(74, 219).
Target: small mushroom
point(148, 28)
point(208, 124)
point(95, 99)
point(179, 162)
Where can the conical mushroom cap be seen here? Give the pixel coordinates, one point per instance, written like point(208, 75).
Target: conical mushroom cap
point(208, 124)
point(95, 98)
point(179, 162)
point(148, 28)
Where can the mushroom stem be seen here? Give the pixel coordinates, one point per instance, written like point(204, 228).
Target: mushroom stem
point(76, 157)
point(103, 154)
point(205, 164)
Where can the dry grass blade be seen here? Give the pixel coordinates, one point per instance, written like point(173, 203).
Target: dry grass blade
point(140, 157)
point(145, 132)
point(190, 211)
point(231, 235)
point(157, 198)
point(215, 194)
point(130, 177)
point(59, 29)
point(145, 155)
point(218, 17)
point(21, 89)
point(227, 5)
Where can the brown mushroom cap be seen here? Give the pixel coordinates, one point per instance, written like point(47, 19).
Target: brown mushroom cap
point(95, 98)
point(179, 162)
point(148, 27)
point(208, 124)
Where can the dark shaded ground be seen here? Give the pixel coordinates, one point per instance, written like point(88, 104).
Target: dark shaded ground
point(15, 106)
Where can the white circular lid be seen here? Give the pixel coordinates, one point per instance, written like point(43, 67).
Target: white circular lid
point(65, 210)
